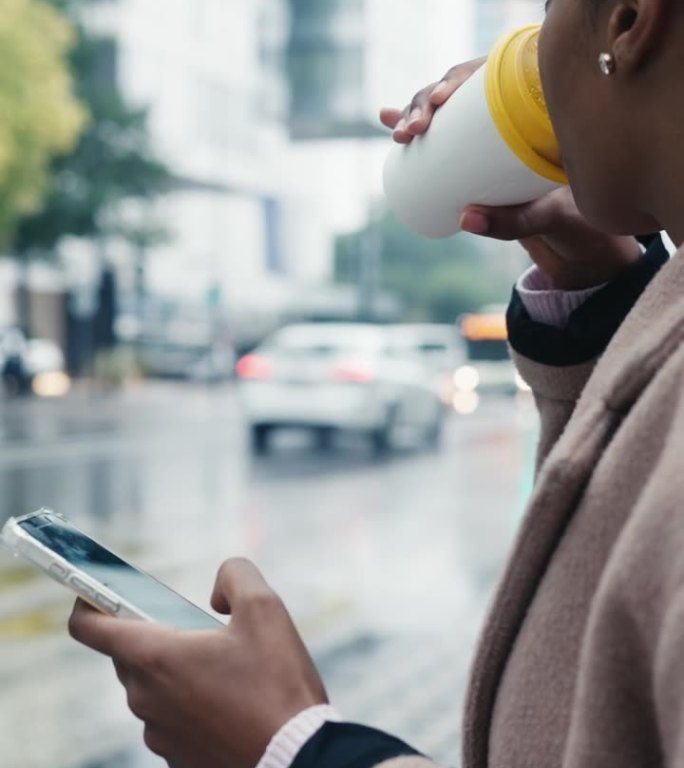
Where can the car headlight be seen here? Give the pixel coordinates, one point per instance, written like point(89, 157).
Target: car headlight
point(466, 379)
point(51, 384)
point(465, 403)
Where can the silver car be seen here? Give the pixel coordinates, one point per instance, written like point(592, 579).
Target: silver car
point(328, 377)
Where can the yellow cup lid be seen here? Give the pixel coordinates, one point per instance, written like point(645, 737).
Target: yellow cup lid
point(517, 105)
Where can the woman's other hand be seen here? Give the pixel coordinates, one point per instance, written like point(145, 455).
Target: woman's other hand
point(552, 230)
point(558, 239)
point(211, 698)
point(415, 118)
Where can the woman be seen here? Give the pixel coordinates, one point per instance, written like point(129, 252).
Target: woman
point(582, 660)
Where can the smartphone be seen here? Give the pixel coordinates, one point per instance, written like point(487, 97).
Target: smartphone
point(98, 576)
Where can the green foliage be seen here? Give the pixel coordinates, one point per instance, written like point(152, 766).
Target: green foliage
point(454, 288)
point(41, 117)
point(112, 161)
point(437, 280)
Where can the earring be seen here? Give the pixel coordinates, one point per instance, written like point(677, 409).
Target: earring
point(606, 63)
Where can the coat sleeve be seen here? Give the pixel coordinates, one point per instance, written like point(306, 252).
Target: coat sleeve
point(348, 745)
point(557, 362)
point(556, 392)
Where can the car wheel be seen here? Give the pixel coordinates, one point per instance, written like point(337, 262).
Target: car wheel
point(324, 438)
point(434, 433)
point(381, 437)
point(260, 435)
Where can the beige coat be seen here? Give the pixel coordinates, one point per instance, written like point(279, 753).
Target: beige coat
point(581, 664)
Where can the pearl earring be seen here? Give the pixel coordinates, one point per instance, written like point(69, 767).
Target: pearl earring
point(606, 63)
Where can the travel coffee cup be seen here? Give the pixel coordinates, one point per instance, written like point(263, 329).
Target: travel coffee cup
point(492, 143)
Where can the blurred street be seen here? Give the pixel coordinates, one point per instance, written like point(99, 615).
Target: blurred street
point(193, 203)
point(386, 564)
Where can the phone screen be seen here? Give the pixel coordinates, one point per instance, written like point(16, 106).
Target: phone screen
point(148, 595)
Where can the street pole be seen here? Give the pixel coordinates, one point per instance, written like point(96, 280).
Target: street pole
point(370, 256)
point(369, 248)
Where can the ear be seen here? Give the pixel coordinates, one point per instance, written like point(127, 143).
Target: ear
point(635, 30)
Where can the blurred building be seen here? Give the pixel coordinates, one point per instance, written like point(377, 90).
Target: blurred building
point(210, 74)
point(266, 113)
point(345, 58)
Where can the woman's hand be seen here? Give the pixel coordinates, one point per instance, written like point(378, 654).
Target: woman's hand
point(417, 116)
point(558, 239)
point(552, 230)
point(212, 698)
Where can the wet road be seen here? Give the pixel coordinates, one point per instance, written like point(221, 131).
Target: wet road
point(386, 564)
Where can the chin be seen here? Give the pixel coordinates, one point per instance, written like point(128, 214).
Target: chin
point(601, 212)
point(606, 207)
point(624, 223)
point(612, 223)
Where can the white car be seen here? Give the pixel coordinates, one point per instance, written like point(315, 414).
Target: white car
point(440, 345)
point(337, 376)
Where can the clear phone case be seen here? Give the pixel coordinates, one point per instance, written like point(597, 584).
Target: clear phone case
point(23, 545)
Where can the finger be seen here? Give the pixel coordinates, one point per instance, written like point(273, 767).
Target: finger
point(390, 116)
point(420, 112)
point(453, 80)
point(420, 119)
point(445, 89)
point(415, 119)
point(124, 639)
point(237, 582)
point(513, 222)
point(401, 133)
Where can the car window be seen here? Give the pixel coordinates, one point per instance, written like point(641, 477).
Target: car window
point(429, 347)
point(314, 344)
point(308, 349)
point(400, 351)
point(318, 352)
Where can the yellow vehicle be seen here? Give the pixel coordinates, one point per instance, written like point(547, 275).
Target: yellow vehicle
point(488, 366)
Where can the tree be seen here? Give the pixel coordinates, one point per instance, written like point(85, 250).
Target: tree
point(436, 279)
point(41, 116)
point(112, 161)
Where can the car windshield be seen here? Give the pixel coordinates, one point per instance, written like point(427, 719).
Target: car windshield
point(324, 342)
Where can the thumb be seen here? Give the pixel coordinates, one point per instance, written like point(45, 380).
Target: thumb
point(238, 581)
point(514, 222)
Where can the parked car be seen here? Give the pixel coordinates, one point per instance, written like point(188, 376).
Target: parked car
point(440, 345)
point(442, 349)
point(337, 376)
point(31, 366)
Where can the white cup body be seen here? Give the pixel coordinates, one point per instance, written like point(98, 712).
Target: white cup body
point(461, 160)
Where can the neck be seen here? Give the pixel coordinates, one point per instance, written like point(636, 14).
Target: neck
point(662, 169)
point(663, 196)
point(672, 219)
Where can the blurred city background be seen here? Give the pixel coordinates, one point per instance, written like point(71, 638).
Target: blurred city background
point(215, 340)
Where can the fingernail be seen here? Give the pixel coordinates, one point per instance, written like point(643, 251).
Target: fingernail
point(400, 126)
point(474, 222)
point(415, 116)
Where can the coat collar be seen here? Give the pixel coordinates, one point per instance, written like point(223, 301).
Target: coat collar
point(649, 335)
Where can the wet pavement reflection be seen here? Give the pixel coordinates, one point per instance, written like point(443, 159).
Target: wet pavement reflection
point(386, 564)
